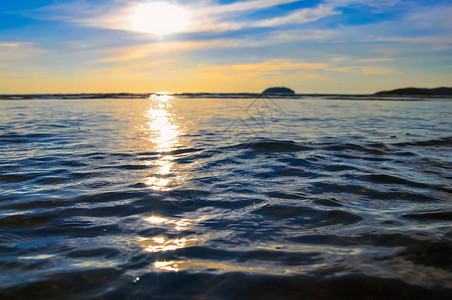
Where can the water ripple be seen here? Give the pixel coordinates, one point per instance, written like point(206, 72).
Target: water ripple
point(337, 206)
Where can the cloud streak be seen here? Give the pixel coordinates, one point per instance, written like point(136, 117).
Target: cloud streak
point(242, 6)
point(204, 16)
point(300, 16)
point(153, 49)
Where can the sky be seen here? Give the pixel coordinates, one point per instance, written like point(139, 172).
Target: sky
point(310, 46)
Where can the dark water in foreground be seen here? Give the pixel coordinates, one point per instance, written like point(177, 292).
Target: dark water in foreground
point(225, 199)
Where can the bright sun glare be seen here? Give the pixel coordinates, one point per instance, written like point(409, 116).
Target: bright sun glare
point(159, 18)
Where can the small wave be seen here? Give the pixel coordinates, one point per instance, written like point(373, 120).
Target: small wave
point(284, 258)
point(308, 216)
point(53, 180)
point(446, 141)
point(387, 179)
point(340, 167)
point(182, 151)
point(355, 147)
point(19, 177)
point(363, 192)
point(131, 167)
point(434, 254)
point(336, 209)
point(28, 221)
point(329, 202)
point(72, 163)
point(264, 146)
point(330, 240)
point(430, 216)
point(283, 195)
point(37, 204)
point(396, 180)
point(23, 138)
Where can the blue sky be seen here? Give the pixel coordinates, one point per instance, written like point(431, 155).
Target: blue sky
point(318, 46)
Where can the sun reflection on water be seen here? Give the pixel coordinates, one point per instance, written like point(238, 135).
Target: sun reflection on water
point(201, 265)
point(160, 244)
point(161, 125)
point(166, 265)
point(163, 133)
point(182, 224)
point(163, 244)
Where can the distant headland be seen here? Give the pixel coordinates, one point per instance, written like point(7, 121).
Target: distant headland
point(411, 91)
point(278, 91)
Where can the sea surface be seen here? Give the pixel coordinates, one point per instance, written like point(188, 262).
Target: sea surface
point(238, 198)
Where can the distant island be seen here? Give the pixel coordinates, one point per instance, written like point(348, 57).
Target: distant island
point(435, 92)
point(278, 91)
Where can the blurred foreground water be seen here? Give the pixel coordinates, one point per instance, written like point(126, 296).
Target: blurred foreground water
point(175, 198)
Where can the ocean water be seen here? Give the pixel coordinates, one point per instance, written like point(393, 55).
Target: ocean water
point(253, 198)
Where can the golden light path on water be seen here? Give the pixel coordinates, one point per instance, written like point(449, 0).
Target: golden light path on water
point(161, 244)
point(163, 131)
point(163, 134)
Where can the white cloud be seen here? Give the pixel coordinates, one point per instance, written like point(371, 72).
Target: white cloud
point(141, 51)
point(242, 6)
point(277, 37)
point(204, 15)
point(431, 17)
point(17, 61)
point(416, 39)
point(14, 51)
point(366, 70)
point(344, 58)
point(379, 71)
point(297, 17)
point(224, 17)
point(370, 3)
point(373, 60)
point(295, 35)
point(265, 71)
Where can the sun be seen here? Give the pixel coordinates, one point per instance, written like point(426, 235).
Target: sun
point(159, 18)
